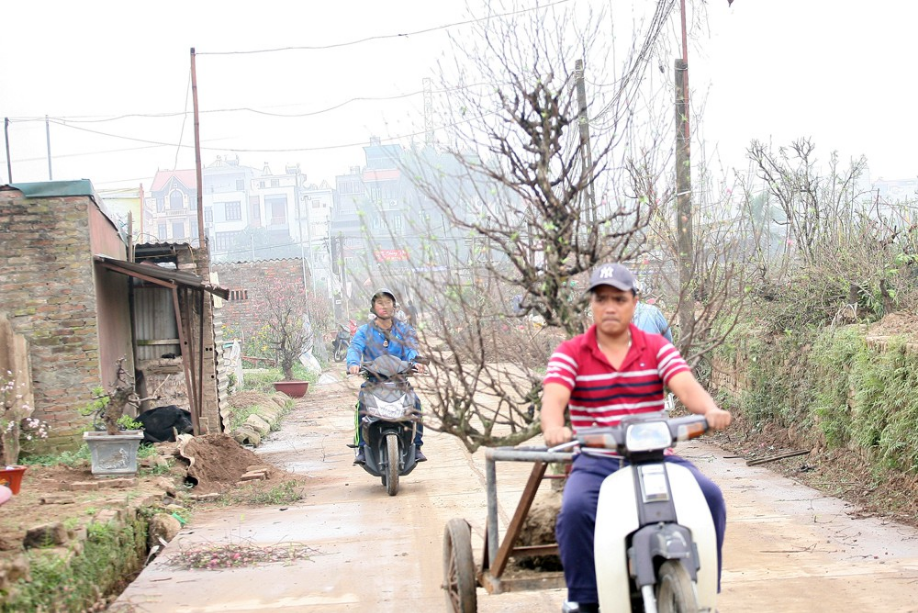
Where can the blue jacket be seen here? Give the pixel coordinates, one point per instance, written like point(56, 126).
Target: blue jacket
point(649, 318)
point(369, 343)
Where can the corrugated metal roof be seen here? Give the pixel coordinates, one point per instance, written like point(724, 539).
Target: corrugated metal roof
point(180, 277)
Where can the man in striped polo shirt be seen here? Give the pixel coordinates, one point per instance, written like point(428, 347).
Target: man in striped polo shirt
point(612, 371)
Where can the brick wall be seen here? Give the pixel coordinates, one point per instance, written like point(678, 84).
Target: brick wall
point(199, 263)
point(241, 314)
point(46, 290)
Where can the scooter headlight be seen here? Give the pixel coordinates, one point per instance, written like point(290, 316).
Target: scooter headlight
point(388, 410)
point(648, 436)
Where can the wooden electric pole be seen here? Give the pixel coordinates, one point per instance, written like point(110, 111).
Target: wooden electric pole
point(6, 135)
point(585, 153)
point(684, 239)
point(198, 173)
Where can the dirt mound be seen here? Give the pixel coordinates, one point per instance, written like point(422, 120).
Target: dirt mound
point(218, 463)
point(241, 400)
point(539, 529)
point(900, 323)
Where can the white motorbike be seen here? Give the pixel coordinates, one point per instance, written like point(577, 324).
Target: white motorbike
point(655, 547)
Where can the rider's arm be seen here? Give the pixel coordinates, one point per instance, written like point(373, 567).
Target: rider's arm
point(697, 400)
point(355, 350)
point(554, 401)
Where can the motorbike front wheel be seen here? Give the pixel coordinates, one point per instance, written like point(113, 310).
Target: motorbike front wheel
point(675, 593)
point(392, 458)
point(340, 352)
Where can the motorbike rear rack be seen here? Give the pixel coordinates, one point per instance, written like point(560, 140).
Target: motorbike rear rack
point(461, 576)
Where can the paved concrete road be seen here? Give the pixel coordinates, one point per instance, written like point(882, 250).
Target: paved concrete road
point(788, 549)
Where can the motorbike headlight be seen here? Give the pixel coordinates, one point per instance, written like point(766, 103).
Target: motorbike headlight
point(388, 410)
point(648, 436)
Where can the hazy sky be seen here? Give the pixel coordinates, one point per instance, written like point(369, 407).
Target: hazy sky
point(841, 73)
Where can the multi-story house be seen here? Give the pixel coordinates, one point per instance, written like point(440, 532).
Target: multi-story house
point(228, 206)
point(171, 207)
point(248, 213)
point(316, 204)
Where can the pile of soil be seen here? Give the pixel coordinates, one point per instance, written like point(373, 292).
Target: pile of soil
point(900, 323)
point(217, 463)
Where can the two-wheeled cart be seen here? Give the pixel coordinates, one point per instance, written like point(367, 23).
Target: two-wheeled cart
point(461, 575)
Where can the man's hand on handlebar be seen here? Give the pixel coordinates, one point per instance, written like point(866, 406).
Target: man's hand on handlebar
point(557, 435)
point(420, 367)
point(353, 369)
point(718, 419)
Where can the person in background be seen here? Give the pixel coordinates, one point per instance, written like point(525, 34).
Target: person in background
point(384, 335)
point(649, 318)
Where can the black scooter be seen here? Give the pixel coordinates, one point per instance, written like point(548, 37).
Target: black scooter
point(391, 420)
point(341, 343)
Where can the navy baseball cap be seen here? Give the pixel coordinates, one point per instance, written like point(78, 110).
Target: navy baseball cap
point(615, 275)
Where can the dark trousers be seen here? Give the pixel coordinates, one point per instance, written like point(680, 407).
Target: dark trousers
point(360, 412)
point(577, 520)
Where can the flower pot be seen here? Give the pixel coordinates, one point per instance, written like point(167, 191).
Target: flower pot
point(113, 455)
point(11, 477)
point(294, 389)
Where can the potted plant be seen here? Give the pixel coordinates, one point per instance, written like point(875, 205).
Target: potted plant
point(15, 423)
point(115, 439)
point(287, 330)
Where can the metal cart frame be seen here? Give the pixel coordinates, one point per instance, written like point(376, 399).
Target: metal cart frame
point(461, 576)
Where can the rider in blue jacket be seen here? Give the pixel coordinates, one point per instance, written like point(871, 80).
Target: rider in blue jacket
point(385, 335)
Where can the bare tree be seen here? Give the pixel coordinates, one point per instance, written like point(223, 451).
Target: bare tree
point(512, 223)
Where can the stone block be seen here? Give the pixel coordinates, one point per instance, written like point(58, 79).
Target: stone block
point(163, 526)
point(45, 535)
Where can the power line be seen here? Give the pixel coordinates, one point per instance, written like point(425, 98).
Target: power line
point(184, 119)
point(273, 150)
point(104, 119)
point(383, 36)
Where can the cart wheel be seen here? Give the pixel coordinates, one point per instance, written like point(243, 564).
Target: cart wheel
point(459, 568)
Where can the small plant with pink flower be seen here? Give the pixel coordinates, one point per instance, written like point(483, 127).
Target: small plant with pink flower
point(16, 421)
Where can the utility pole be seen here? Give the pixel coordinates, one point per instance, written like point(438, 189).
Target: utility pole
point(585, 153)
point(299, 223)
point(344, 293)
point(48, 137)
point(429, 138)
point(6, 134)
point(684, 239)
point(202, 241)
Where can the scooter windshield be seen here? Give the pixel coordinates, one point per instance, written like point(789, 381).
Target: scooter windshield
point(387, 366)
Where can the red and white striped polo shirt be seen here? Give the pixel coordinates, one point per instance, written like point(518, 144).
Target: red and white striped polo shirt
point(601, 394)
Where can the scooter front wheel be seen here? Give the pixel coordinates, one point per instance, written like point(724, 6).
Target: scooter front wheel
point(675, 593)
point(392, 459)
point(340, 352)
point(459, 568)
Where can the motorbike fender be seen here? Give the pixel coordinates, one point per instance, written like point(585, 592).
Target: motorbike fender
point(375, 432)
point(617, 519)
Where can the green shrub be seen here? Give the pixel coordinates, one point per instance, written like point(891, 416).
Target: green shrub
point(110, 556)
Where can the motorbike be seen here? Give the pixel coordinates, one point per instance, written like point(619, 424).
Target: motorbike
point(341, 343)
point(655, 545)
point(391, 420)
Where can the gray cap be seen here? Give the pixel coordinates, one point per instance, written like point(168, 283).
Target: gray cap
point(615, 275)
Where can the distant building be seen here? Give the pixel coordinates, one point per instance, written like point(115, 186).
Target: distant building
point(249, 214)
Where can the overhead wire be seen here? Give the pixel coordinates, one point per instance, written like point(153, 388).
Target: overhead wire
point(385, 36)
point(104, 119)
point(184, 120)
